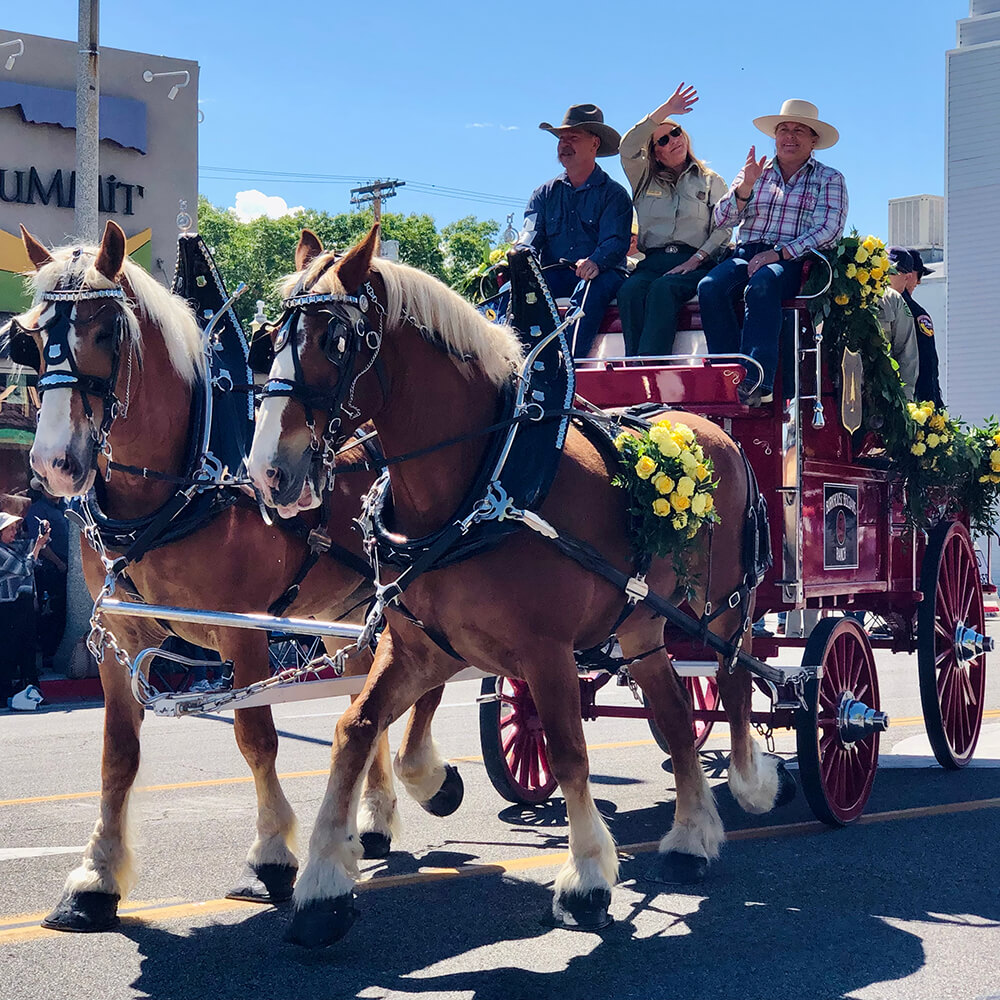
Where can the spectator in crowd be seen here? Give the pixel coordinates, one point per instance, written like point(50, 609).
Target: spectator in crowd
point(897, 321)
point(582, 217)
point(18, 557)
point(50, 571)
point(674, 194)
point(784, 207)
point(928, 384)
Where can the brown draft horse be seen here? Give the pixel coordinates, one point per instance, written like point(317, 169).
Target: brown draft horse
point(236, 563)
point(519, 609)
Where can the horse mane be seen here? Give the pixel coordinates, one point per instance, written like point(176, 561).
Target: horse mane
point(145, 299)
point(445, 318)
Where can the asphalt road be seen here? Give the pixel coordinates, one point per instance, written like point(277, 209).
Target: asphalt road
point(903, 904)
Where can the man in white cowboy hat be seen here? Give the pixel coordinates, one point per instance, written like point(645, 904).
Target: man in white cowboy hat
point(785, 207)
point(18, 557)
point(583, 217)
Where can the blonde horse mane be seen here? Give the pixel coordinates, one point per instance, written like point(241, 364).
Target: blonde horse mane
point(444, 316)
point(149, 301)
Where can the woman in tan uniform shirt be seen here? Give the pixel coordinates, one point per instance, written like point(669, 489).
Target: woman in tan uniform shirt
point(674, 194)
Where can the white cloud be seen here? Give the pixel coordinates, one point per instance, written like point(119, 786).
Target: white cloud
point(503, 128)
point(252, 205)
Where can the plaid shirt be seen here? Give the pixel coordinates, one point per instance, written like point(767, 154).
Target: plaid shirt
point(17, 569)
point(804, 213)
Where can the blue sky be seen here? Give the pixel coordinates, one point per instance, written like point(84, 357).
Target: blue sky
point(448, 96)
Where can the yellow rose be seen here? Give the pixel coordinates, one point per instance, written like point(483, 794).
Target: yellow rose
point(869, 243)
point(665, 422)
point(918, 414)
point(701, 473)
point(918, 449)
point(680, 521)
point(661, 507)
point(688, 461)
point(996, 439)
point(851, 270)
point(709, 503)
point(933, 440)
point(684, 433)
point(995, 456)
point(686, 486)
point(876, 273)
point(994, 479)
point(698, 503)
point(861, 256)
point(659, 435)
point(645, 467)
point(945, 438)
point(937, 422)
point(862, 275)
point(669, 447)
point(984, 479)
point(680, 501)
point(842, 299)
point(700, 455)
point(663, 483)
point(620, 440)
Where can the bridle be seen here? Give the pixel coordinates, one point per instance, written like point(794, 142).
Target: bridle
point(348, 331)
point(24, 351)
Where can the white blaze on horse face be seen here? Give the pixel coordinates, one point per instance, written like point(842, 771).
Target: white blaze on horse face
point(267, 433)
point(56, 436)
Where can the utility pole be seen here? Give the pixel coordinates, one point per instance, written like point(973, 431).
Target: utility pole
point(374, 193)
point(88, 89)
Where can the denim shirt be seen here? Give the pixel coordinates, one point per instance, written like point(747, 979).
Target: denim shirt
point(567, 223)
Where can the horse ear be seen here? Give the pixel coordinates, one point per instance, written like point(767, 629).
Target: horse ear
point(308, 250)
point(37, 254)
point(357, 263)
point(111, 256)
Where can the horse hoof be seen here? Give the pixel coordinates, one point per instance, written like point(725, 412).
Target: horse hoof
point(787, 789)
point(322, 922)
point(583, 911)
point(375, 844)
point(271, 884)
point(678, 868)
point(84, 913)
point(449, 796)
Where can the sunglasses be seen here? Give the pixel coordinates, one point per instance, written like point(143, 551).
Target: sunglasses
point(667, 136)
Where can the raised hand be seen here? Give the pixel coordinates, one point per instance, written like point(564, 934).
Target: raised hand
point(752, 170)
point(679, 102)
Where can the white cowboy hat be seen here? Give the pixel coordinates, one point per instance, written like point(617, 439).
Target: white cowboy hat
point(6, 520)
point(804, 113)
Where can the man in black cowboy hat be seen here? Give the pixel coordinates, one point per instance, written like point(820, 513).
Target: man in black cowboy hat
point(582, 217)
point(910, 264)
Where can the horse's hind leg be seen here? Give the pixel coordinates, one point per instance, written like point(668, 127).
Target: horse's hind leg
point(697, 832)
point(271, 856)
point(106, 872)
point(759, 782)
point(426, 776)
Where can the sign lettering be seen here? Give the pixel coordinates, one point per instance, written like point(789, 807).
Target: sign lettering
point(28, 187)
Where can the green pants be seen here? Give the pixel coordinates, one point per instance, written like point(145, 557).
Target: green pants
point(650, 300)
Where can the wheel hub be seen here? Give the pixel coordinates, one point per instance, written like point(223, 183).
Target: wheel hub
point(969, 643)
point(856, 721)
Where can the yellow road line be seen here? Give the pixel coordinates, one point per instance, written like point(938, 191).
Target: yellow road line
point(24, 927)
point(244, 779)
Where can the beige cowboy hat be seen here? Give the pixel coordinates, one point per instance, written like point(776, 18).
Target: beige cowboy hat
point(590, 118)
point(6, 520)
point(804, 113)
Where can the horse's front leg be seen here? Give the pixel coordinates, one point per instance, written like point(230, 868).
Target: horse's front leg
point(324, 894)
point(106, 872)
point(426, 775)
point(582, 892)
point(759, 782)
point(271, 856)
point(697, 832)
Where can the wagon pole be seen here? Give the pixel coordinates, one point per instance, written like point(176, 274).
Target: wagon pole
point(374, 193)
point(88, 89)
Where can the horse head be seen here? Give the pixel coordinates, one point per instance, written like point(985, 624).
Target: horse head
point(326, 340)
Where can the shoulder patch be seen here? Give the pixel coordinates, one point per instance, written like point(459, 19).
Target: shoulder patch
point(926, 325)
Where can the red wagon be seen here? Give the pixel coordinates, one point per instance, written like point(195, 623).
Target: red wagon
point(841, 544)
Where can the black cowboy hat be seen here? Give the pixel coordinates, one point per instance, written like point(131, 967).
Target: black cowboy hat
point(590, 118)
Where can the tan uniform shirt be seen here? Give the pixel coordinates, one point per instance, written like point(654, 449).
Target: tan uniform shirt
point(680, 213)
point(897, 322)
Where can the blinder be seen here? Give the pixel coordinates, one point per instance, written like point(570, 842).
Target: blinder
point(22, 347)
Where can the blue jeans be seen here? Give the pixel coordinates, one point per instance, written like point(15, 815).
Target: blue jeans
point(762, 294)
point(563, 282)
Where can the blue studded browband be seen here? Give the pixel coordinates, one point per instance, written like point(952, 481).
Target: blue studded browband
point(298, 301)
point(80, 294)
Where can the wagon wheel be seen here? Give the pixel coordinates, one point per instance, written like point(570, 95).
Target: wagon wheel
point(837, 736)
point(951, 645)
point(515, 751)
point(704, 694)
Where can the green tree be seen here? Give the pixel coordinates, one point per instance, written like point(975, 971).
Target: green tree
point(467, 242)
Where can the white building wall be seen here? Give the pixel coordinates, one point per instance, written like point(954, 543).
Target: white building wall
point(972, 186)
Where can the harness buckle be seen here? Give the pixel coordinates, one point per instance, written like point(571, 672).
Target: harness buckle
point(637, 589)
point(734, 598)
point(318, 540)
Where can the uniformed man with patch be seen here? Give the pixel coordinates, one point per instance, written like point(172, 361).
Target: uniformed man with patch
point(928, 386)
